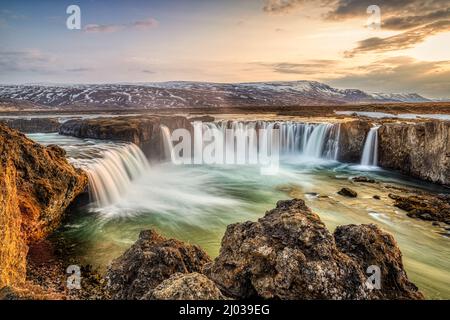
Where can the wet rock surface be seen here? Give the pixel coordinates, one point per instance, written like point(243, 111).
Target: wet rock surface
point(363, 179)
point(347, 192)
point(37, 184)
point(290, 254)
point(424, 206)
point(351, 141)
point(420, 149)
point(143, 131)
point(150, 261)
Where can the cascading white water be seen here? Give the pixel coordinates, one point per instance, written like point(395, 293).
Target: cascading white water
point(308, 139)
point(111, 175)
point(370, 151)
point(167, 143)
point(316, 142)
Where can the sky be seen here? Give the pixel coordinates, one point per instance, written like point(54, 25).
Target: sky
point(230, 41)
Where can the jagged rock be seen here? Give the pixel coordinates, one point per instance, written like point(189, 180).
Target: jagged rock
point(347, 192)
point(289, 254)
point(418, 149)
point(36, 186)
point(369, 245)
point(363, 179)
point(151, 260)
point(425, 206)
point(351, 140)
point(143, 131)
point(191, 286)
point(33, 125)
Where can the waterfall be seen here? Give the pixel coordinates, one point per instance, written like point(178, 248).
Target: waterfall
point(167, 144)
point(111, 175)
point(316, 142)
point(370, 151)
point(312, 140)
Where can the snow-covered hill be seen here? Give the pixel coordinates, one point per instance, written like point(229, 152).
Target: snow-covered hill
point(181, 94)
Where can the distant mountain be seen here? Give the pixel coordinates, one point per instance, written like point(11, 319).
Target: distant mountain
point(182, 94)
point(403, 97)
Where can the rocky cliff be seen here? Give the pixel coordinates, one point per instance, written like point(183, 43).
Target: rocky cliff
point(143, 131)
point(34, 125)
point(36, 185)
point(351, 140)
point(419, 149)
point(287, 254)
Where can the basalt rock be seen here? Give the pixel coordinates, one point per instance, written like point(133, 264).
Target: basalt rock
point(351, 140)
point(347, 192)
point(363, 179)
point(290, 254)
point(150, 261)
point(370, 246)
point(144, 131)
point(190, 286)
point(36, 185)
point(424, 206)
point(419, 149)
point(33, 125)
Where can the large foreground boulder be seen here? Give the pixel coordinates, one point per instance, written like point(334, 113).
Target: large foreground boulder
point(290, 254)
point(36, 185)
point(150, 261)
point(370, 246)
point(190, 286)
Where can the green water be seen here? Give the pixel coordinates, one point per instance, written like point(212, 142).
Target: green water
point(196, 203)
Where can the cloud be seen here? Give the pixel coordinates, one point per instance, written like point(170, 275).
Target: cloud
point(144, 24)
point(400, 74)
point(148, 71)
point(401, 41)
point(418, 19)
point(81, 69)
point(98, 28)
point(25, 60)
point(10, 15)
point(411, 21)
point(309, 67)
point(282, 6)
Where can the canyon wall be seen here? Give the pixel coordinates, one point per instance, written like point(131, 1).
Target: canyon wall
point(33, 125)
point(351, 140)
point(36, 185)
point(419, 149)
point(143, 131)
